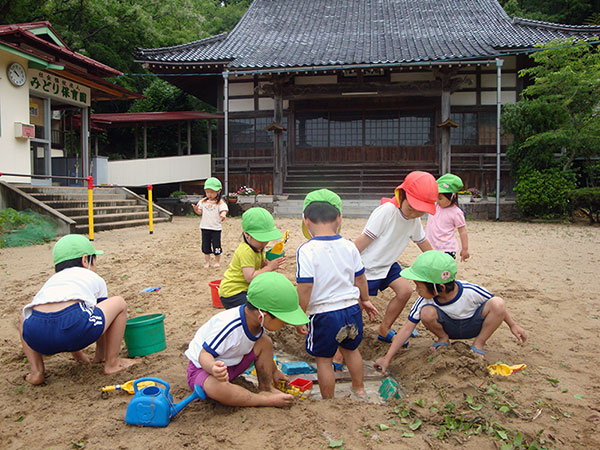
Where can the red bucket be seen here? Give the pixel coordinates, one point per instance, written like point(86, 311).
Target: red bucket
point(214, 292)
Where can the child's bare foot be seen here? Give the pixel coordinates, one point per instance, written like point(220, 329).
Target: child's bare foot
point(359, 392)
point(277, 398)
point(216, 265)
point(80, 356)
point(206, 266)
point(436, 345)
point(120, 365)
point(380, 365)
point(34, 378)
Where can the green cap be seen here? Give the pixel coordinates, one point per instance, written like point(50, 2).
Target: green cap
point(321, 195)
point(432, 266)
point(259, 223)
point(274, 293)
point(449, 184)
point(73, 246)
point(213, 183)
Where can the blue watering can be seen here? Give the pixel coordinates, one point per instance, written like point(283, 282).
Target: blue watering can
point(153, 406)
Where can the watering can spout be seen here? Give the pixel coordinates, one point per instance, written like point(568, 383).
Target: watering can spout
point(198, 393)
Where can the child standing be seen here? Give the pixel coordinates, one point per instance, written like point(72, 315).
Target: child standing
point(450, 309)
point(332, 289)
point(213, 210)
point(72, 310)
point(248, 261)
point(389, 229)
point(447, 218)
point(226, 345)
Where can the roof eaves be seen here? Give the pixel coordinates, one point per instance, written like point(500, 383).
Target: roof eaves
point(556, 26)
point(193, 44)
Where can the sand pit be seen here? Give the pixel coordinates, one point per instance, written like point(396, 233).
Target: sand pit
point(545, 272)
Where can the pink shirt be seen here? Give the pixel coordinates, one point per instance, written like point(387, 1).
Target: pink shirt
point(441, 226)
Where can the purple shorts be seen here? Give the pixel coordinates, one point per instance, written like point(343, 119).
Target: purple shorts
point(199, 376)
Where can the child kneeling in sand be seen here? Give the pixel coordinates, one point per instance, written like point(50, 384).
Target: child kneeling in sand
point(72, 310)
point(230, 341)
point(332, 288)
point(450, 309)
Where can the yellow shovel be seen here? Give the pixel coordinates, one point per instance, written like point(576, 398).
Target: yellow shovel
point(127, 386)
point(278, 247)
point(504, 369)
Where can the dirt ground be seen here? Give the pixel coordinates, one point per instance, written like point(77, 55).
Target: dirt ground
point(547, 273)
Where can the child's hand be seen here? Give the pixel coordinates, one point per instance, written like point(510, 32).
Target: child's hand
point(464, 255)
point(381, 364)
point(301, 329)
point(219, 371)
point(223, 217)
point(371, 311)
point(519, 333)
point(275, 264)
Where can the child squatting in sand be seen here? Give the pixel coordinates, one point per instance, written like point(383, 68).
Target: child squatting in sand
point(71, 311)
point(449, 308)
point(226, 345)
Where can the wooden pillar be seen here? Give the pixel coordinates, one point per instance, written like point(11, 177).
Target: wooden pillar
point(445, 131)
point(145, 141)
point(189, 137)
point(179, 151)
point(279, 152)
point(209, 135)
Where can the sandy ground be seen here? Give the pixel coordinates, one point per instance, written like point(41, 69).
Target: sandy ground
point(546, 272)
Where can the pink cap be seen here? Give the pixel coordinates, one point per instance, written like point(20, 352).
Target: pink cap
point(421, 191)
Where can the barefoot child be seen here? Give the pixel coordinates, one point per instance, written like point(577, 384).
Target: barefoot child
point(389, 229)
point(72, 310)
point(227, 344)
point(447, 218)
point(333, 290)
point(249, 260)
point(450, 309)
point(213, 210)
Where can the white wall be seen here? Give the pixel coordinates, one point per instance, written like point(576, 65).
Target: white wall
point(14, 107)
point(171, 169)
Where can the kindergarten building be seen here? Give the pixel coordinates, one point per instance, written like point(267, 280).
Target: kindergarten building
point(354, 94)
point(44, 86)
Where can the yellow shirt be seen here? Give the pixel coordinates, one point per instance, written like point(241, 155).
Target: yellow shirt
point(234, 281)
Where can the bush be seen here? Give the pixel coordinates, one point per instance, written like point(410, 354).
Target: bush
point(588, 201)
point(545, 194)
point(177, 194)
point(22, 228)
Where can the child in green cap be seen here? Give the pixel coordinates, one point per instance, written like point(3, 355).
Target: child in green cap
point(72, 310)
point(213, 210)
point(449, 308)
point(249, 260)
point(226, 345)
point(332, 288)
point(447, 218)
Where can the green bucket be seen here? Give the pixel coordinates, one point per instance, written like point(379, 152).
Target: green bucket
point(145, 335)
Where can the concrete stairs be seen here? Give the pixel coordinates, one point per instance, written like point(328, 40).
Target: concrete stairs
point(114, 207)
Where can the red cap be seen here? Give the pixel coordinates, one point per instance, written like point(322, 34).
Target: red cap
point(421, 191)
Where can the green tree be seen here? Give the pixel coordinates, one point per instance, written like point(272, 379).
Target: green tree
point(559, 111)
point(573, 12)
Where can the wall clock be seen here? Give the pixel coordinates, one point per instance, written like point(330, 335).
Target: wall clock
point(17, 74)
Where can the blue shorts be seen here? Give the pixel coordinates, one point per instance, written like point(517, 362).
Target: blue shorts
point(382, 283)
point(68, 330)
point(241, 298)
point(462, 328)
point(328, 330)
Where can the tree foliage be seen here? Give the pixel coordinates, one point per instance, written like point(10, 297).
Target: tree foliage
point(559, 111)
point(572, 12)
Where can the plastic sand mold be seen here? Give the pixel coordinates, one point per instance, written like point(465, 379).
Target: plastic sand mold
point(504, 369)
point(389, 388)
point(301, 389)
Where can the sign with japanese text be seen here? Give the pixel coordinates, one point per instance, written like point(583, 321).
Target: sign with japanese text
point(58, 88)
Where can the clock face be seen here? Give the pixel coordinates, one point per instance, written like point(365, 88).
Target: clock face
point(17, 74)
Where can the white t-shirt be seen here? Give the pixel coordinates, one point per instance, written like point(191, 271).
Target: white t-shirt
point(225, 336)
point(74, 283)
point(211, 218)
point(331, 263)
point(391, 232)
point(463, 306)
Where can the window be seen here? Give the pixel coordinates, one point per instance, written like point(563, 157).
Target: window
point(381, 128)
point(466, 133)
point(416, 130)
point(312, 130)
point(346, 129)
point(241, 134)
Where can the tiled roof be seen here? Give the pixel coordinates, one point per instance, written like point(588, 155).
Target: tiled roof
point(291, 33)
